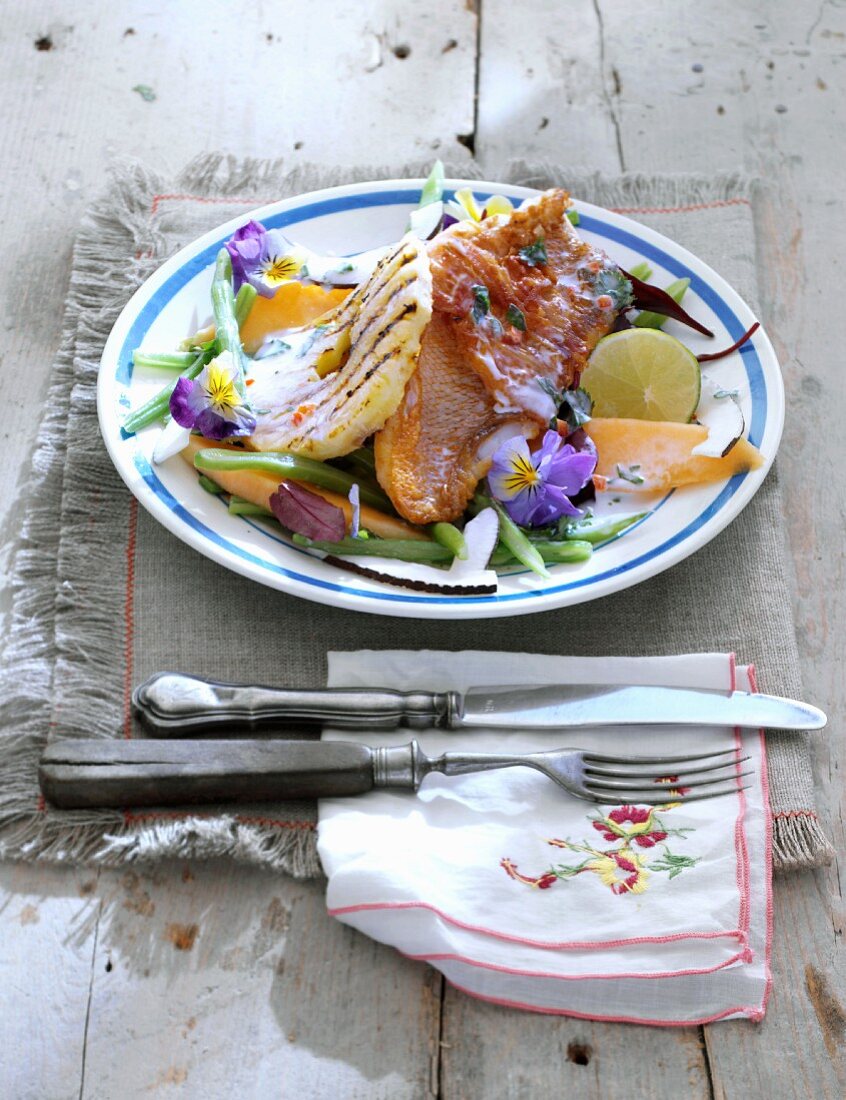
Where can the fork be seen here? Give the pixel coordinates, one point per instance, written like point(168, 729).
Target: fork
point(76, 773)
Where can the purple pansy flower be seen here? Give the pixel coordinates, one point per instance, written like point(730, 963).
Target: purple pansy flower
point(211, 402)
point(535, 486)
point(264, 258)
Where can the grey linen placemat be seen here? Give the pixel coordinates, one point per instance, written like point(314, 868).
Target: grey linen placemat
point(104, 596)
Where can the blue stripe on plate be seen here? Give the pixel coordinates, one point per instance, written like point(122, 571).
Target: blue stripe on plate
point(204, 259)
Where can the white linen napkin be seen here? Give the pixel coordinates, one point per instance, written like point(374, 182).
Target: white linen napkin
point(526, 896)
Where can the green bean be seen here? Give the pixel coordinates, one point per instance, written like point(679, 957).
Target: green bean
point(240, 507)
point(448, 535)
point(227, 335)
point(175, 360)
point(210, 486)
point(244, 301)
point(363, 460)
point(641, 271)
point(157, 406)
point(296, 467)
point(551, 551)
point(600, 530)
point(413, 550)
point(647, 319)
point(512, 537)
point(433, 188)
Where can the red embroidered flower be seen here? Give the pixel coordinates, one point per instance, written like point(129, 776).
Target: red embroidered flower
point(631, 823)
point(540, 882)
point(676, 792)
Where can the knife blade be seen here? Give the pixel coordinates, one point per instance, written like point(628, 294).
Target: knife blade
point(172, 704)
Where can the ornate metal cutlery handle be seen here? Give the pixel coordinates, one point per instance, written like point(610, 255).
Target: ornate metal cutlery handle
point(172, 705)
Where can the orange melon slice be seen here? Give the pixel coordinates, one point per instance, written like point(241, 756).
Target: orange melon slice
point(660, 453)
point(258, 487)
point(292, 306)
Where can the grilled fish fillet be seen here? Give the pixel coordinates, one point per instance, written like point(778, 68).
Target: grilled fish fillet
point(477, 378)
point(325, 398)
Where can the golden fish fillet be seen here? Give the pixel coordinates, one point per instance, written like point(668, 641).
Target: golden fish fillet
point(477, 381)
point(326, 395)
point(438, 444)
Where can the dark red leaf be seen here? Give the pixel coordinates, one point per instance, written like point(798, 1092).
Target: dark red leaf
point(656, 300)
point(306, 513)
point(727, 351)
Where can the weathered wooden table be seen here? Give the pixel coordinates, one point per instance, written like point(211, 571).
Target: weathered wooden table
point(211, 981)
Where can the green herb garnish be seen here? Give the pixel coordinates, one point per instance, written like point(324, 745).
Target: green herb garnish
point(516, 317)
point(482, 300)
point(534, 255)
point(630, 474)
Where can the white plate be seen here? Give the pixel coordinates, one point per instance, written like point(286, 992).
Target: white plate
point(360, 216)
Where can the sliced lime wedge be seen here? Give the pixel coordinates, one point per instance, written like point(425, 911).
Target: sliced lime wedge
point(643, 374)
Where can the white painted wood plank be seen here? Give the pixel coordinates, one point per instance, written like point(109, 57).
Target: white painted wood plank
point(48, 920)
point(215, 980)
point(542, 91)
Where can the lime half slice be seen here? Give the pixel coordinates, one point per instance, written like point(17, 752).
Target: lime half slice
point(643, 374)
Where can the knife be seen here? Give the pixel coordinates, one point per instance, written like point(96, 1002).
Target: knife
point(171, 704)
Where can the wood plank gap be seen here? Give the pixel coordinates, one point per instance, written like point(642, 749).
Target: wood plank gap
point(606, 95)
point(90, 995)
point(706, 1060)
point(469, 140)
point(437, 1083)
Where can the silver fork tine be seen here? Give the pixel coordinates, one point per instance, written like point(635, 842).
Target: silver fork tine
point(590, 770)
point(610, 785)
point(657, 760)
point(663, 801)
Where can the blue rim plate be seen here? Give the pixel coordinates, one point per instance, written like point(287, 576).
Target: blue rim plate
point(351, 218)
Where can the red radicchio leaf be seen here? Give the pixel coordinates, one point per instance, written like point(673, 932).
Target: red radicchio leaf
point(727, 351)
point(656, 300)
point(306, 513)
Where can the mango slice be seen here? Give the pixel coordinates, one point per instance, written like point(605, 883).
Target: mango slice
point(659, 453)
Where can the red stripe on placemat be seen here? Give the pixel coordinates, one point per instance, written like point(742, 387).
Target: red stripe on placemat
point(679, 209)
point(795, 813)
point(206, 199)
point(129, 616)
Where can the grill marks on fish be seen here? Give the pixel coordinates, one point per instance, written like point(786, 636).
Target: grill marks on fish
point(384, 319)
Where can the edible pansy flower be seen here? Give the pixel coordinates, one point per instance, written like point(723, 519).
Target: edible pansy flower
point(465, 207)
point(211, 403)
point(535, 487)
point(264, 258)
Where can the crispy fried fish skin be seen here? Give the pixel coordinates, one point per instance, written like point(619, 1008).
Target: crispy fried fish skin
point(476, 384)
point(438, 444)
point(324, 402)
point(563, 308)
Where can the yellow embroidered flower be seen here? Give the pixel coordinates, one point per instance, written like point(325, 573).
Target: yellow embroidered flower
point(623, 871)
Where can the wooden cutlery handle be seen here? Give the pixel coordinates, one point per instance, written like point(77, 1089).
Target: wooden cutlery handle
point(78, 774)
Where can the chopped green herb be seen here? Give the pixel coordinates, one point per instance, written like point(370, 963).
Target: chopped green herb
point(344, 267)
point(516, 317)
point(573, 216)
point(630, 474)
point(611, 281)
point(534, 255)
point(482, 300)
point(726, 393)
point(145, 91)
